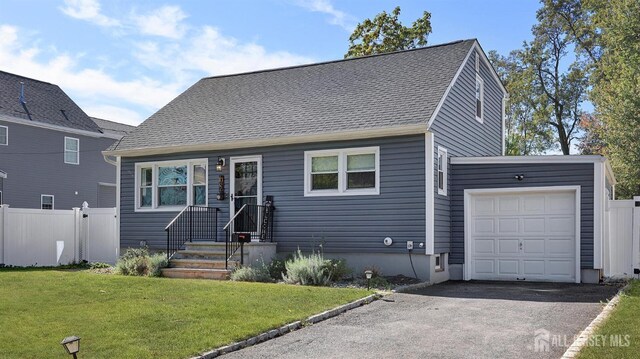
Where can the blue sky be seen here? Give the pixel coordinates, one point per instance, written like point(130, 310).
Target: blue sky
point(123, 60)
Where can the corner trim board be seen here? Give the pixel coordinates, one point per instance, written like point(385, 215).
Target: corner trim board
point(429, 194)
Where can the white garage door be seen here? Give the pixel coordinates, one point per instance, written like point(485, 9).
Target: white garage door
point(522, 236)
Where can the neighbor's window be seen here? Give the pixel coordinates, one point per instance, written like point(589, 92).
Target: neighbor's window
point(71, 150)
point(171, 185)
point(479, 91)
point(4, 135)
point(46, 201)
point(351, 171)
point(442, 171)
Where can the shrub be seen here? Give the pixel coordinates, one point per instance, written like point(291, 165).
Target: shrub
point(337, 269)
point(137, 261)
point(309, 270)
point(277, 268)
point(251, 274)
point(99, 265)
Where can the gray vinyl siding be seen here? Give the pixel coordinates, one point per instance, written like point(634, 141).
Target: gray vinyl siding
point(342, 224)
point(456, 129)
point(106, 196)
point(34, 162)
point(535, 175)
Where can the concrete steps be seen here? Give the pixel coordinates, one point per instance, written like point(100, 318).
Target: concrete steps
point(202, 260)
point(196, 273)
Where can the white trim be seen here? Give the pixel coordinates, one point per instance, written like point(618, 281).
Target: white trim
point(445, 171)
point(438, 258)
point(57, 128)
point(240, 159)
point(482, 103)
point(118, 191)
point(77, 150)
point(598, 214)
point(3, 174)
point(342, 154)
point(476, 47)
point(505, 98)
point(53, 201)
point(154, 192)
point(468, 193)
point(429, 193)
point(526, 159)
point(287, 140)
point(6, 131)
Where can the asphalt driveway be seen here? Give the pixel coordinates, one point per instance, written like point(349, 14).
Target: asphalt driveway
point(450, 320)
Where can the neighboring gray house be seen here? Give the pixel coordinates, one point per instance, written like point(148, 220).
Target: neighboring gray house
point(50, 150)
point(363, 159)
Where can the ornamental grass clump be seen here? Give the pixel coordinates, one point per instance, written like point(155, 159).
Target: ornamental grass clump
point(251, 274)
point(138, 262)
point(307, 270)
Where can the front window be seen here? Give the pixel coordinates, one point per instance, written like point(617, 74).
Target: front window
point(71, 150)
point(46, 201)
point(4, 135)
point(171, 185)
point(353, 171)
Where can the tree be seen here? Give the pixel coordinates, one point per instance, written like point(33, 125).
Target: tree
point(591, 142)
point(560, 88)
point(526, 129)
point(385, 33)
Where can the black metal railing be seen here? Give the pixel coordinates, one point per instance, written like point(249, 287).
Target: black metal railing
point(251, 222)
point(193, 223)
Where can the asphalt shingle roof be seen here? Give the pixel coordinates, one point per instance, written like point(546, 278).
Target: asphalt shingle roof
point(46, 103)
point(395, 89)
point(112, 128)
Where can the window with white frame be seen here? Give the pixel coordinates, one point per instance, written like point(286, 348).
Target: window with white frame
point(442, 171)
point(71, 150)
point(352, 171)
point(171, 185)
point(479, 91)
point(46, 201)
point(4, 135)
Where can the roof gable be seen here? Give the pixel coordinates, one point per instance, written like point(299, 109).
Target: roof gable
point(375, 92)
point(45, 102)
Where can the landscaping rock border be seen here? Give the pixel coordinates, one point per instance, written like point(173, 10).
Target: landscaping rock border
point(287, 328)
point(583, 338)
point(411, 287)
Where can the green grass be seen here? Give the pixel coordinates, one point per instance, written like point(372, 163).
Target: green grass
point(138, 317)
point(624, 320)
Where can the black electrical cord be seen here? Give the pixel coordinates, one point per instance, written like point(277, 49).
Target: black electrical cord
point(411, 260)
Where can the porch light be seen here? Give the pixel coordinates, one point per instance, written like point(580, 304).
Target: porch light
point(220, 164)
point(368, 274)
point(71, 345)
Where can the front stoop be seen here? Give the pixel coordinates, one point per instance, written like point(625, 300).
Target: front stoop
point(200, 260)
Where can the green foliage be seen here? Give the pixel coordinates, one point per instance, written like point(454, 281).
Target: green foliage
point(138, 262)
point(277, 268)
point(526, 129)
point(251, 274)
point(307, 270)
point(99, 265)
point(385, 33)
point(337, 269)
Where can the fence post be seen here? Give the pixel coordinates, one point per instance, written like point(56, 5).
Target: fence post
point(636, 232)
point(77, 218)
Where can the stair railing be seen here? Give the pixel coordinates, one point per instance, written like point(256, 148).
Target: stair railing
point(251, 222)
point(192, 223)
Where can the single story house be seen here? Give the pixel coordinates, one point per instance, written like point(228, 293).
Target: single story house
point(392, 161)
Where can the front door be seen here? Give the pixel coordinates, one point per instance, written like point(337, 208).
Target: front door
point(246, 182)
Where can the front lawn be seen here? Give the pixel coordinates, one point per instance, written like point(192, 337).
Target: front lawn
point(138, 317)
point(619, 336)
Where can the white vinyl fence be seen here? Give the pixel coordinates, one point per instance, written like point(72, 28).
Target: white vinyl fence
point(34, 237)
point(622, 249)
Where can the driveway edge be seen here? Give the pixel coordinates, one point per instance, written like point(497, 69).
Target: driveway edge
point(287, 328)
point(583, 338)
point(411, 287)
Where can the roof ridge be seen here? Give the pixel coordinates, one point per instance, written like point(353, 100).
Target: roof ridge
point(337, 61)
point(28, 78)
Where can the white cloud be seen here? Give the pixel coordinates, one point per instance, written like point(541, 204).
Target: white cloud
point(337, 17)
point(211, 52)
point(88, 10)
point(114, 113)
point(165, 21)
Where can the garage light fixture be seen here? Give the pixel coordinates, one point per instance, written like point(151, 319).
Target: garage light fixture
point(519, 177)
point(71, 345)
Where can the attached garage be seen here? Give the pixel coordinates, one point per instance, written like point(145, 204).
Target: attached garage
point(516, 234)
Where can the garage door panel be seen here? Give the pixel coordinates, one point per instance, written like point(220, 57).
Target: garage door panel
point(508, 267)
point(508, 246)
point(523, 236)
point(533, 225)
point(484, 226)
point(508, 225)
